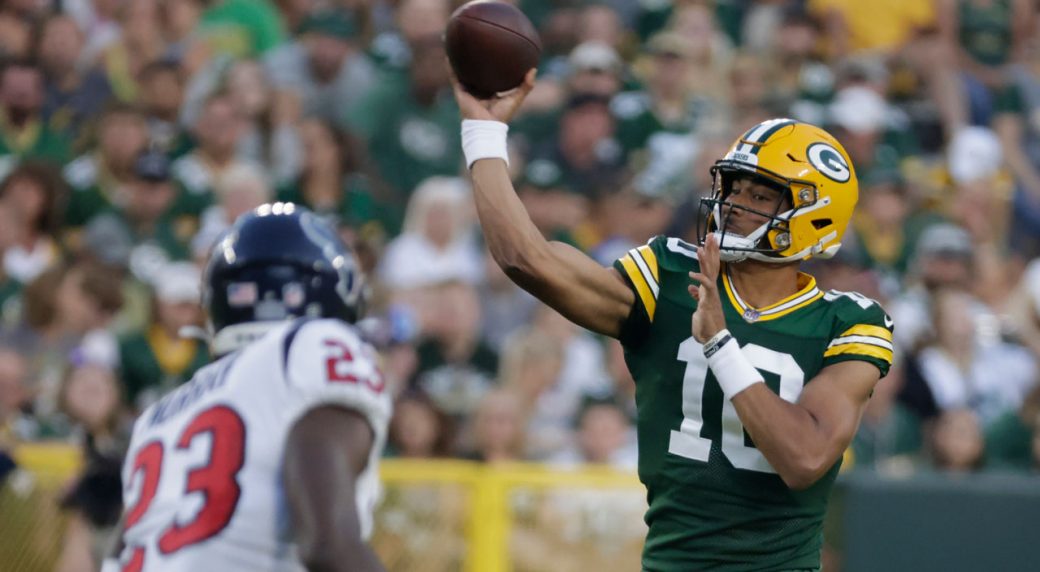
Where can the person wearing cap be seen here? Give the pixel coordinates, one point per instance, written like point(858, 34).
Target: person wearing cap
point(876, 134)
point(944, 258)
point(147, 221)
point(157, 359)
point(594, 67)
point(324, 69)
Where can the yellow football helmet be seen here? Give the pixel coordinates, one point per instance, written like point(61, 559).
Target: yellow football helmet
point(805, 163)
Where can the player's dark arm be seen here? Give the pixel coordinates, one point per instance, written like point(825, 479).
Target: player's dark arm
point(327, 449)
point(803, 440)
point(588, 294)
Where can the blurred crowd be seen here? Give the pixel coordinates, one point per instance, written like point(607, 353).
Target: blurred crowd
point(132, 132)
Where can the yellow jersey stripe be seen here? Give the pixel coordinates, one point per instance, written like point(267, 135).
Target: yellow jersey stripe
point(642, 288)
point(773, 316)
point(868, 330)
point(651, 260)
point(860, 349)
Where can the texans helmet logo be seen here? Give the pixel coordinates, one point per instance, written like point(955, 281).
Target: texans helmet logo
point(828, 161)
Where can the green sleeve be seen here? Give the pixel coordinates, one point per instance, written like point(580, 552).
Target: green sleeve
point(862, 331)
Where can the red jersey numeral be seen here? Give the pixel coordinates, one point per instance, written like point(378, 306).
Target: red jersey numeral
point(338, 365)
point(216, 480)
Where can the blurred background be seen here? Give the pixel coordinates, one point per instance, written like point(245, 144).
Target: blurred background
point(132, 132)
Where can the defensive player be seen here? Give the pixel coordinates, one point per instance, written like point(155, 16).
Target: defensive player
point(267, 458)
point(742, 424)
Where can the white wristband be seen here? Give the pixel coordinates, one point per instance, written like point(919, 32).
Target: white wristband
point(732, 368)
point(483, 139)
point(110, 565)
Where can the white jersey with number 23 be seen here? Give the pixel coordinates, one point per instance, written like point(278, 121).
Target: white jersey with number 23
point(202, 482)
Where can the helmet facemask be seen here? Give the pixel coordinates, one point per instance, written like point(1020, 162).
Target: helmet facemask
point(765, 243)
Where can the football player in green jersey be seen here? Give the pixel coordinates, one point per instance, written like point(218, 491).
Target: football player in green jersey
point(750, 381)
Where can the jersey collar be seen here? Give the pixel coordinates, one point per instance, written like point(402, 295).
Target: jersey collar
point(808, 294)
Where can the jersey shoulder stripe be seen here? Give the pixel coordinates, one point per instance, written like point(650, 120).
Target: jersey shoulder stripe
point(639, 273)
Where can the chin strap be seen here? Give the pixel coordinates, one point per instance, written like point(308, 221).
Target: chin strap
point(238, 336)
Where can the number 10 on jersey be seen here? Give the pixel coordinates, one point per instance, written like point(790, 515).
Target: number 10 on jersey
point(687, 441)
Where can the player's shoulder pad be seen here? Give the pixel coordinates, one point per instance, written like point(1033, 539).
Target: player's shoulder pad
point(860, 328)
point(855, 308)
point(645, 267)
point(81, 173)
point(327, 363)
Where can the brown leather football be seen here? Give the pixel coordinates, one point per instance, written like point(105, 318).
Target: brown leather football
point(491, 46)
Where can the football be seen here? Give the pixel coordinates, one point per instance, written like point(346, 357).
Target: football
point(491, 46)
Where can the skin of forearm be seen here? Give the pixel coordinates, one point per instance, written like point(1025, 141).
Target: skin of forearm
point(787, 434)
point(511, 236)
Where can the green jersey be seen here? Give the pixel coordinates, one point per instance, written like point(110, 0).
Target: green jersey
point(714, 501)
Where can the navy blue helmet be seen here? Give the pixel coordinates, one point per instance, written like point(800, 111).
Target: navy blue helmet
point(277, 262)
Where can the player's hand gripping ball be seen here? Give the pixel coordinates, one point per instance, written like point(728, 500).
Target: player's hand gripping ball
point(491, 46)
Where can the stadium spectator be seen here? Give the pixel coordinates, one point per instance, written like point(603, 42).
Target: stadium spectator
point(943, 258)
point(987, 37)
point(157, 359)
point(530, 366)
point(409, 123)
point(332, 181)
point(455, 367)
point(98, 178)
point(957, 444)
point(414, 23)
point(605, 436)
point(33, 193)
point(218, 130)
point(75, 93)
point(24, 133)
point(418, 430)
point(966, 366)
point(505, 306)
point(146, 218)
point(140, 43)
point(162, 99)
point(271, 137)
point(241, 189)
point(498, 429)
point(1020, 140)
point(15, 37)
point(1009, 439)
point(437, 244)
point(180, 22)
point(64, 307)
point(324, 70)
point(667, 102)
point(583, 145)
point(99, 22)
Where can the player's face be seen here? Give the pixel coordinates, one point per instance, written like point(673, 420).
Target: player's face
point(745, 192)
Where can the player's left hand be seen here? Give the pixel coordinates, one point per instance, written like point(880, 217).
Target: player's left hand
point(708, 320)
